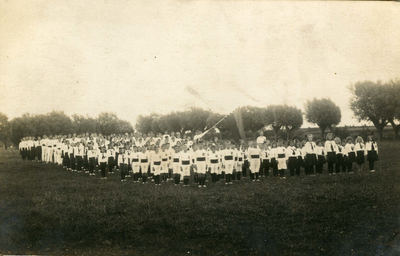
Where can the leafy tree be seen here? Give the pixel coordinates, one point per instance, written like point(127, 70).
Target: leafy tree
point(371, 102)
point(143, 123)
point(108, 123)
point(197, 119)
point(59, 123)
point(292, 119)
point(252, 118)
point(85, 124)
point(394, 101)
point(5, 129)
point(324, 113)
point(125, 127)
point(170, 122)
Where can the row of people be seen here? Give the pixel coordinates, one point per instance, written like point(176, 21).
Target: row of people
point(219, 159)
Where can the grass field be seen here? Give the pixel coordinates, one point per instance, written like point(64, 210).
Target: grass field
point(47, 210)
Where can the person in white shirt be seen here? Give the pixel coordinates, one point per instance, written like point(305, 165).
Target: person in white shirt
point(345, 155)
point(273, 158)
point(311, 157)
point(254, 154)
point(300, 161)
point(239, 165)
point(123, 163)
point(261, 139)
point(201, 164)
point(92, 154)
point(176, 166)
point(339, 155)
point(292, 154)
point(228, 163)
point(102, 156)
point(372, 152)
point(351, 154)
point(330, 151)
point(320, 151)
point(264, 166)
point(156, 165)
point(135, 162)
point(360, 152)
point(144, 157)
point(213, 162)
point(111, 158)
point(79, 156)
point(186, 160)
point(281, 159)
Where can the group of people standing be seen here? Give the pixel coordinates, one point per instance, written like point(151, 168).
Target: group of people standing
point(169, 157)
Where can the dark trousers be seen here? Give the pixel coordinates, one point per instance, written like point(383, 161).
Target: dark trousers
point(157, 179)
point(238, 175)
point(264, 168)
point(196, 178)
point(92, 164)
point(275, 171)
point(310, 169)
point(144, 177)
point(350, 167)
point(214, 177)
point(244, 171)
point(123, 168)
point(79, 163)
point(371, 165)
point(202, 179)
point(72, 162)
point(282, 173)
point(228, 178)
point(330, 167)
point(337, 168)
point(103, 166)
point(39, 153)
point(111, 164)
point(177, 178)
point(319, 168)
point(85, 163)
point(186, 180)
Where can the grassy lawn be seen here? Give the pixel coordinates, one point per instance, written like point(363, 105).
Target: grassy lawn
point(45, 209)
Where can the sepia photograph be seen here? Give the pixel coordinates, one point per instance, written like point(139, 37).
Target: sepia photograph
point(226, 127)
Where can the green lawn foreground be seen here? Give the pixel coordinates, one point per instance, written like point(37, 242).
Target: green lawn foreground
point(45, 209)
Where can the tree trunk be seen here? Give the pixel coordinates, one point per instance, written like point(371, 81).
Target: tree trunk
point(380, 132)
point(323, 128)
point(276, 130)
point(288, 132)
point(396, 129)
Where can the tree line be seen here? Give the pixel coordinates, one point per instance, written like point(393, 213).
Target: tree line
point(375, 102)
point(57, 122)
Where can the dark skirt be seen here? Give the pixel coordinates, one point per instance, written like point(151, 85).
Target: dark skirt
point(372, 156)
point(311, 159)
point(360, 157)
point(351, 158)
point(331, 157)
point(321, 159)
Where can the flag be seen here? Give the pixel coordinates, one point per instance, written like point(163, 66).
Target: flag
point(239, 122)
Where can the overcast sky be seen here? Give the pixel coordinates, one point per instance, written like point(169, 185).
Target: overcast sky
point(138, 57)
